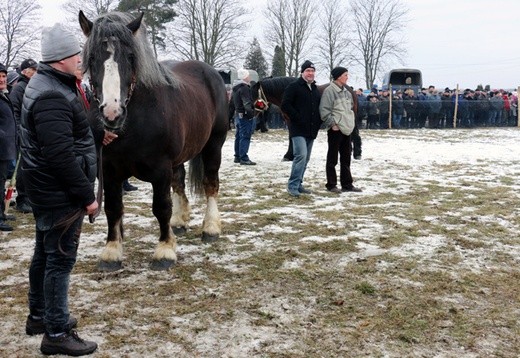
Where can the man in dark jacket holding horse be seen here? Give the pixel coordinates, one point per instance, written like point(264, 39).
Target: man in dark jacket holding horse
point(59, 164)
point(301, 103)
point(245, 122)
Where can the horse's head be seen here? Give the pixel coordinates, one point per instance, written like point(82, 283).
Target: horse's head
point(109, 56)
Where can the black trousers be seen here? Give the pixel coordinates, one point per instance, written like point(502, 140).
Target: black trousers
point(339, 144)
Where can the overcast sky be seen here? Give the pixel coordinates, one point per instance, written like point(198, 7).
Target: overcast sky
point(465, 42)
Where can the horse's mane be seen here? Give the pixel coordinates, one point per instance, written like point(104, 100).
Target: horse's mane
point(149, 71)
point(276, 84)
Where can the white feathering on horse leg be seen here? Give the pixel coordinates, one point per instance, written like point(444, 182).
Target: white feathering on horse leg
point(166, 249)
point(211, 224)
point(180, 211)
point(113, 252)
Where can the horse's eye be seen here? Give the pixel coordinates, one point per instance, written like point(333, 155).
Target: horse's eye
point(131, 58)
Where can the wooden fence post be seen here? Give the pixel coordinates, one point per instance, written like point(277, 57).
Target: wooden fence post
point(517, 111)
point(456, 106)
point(390, 107)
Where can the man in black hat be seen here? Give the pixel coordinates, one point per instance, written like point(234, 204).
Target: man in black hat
point(337, 111)
point(26, 70)
point(301, 101)
point(7, 143)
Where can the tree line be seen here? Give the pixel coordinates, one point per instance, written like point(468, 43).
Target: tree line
point(364, 34)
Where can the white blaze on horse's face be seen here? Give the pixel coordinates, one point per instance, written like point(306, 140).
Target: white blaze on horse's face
point(111, 87)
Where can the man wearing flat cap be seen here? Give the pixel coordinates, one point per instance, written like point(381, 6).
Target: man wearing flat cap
point(26, 70)
point(59, 168)
point(300, 102)
point(337, 111)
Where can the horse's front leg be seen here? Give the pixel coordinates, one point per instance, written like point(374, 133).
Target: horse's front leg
point(165, 254)
point(112, 256)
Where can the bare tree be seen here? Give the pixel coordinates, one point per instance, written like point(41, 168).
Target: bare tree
point(290, 24)
point(209, 30)
point(377, 27)
point(91, 8)
point(17, 38)
point(333, 40)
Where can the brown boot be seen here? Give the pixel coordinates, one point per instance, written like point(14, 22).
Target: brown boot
point(68, 343)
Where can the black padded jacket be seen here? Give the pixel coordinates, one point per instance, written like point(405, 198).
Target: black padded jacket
point(58, 150)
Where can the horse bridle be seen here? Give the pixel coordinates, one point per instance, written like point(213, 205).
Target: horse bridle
point(261, 104)
point(128, 97)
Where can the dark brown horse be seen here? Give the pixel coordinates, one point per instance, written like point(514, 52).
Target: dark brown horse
point(271, 90)
point(165, 114)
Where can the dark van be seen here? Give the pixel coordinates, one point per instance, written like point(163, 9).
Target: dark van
point(403, 78)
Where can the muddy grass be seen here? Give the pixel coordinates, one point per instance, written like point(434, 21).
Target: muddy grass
point(425, 262)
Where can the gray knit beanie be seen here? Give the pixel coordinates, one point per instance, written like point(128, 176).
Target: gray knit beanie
point(58, 43)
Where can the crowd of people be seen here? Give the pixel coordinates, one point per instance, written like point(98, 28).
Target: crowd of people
point(429, 108)
point(433, 108)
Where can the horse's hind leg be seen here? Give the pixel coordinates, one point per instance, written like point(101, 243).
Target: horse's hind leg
point(211, 226)
point(180, 205)
point(165, 254)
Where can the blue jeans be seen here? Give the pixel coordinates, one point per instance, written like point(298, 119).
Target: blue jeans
point(302, 148)
point(50, 269)
point(397, 120)
point(492, 119)
point(243, 132)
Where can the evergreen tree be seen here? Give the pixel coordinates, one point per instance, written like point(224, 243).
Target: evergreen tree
point(278, 67)
point(255, 60)
point(157, 13)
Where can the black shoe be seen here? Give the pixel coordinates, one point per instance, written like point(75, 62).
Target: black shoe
point(68, 343)
point(357, 157)
point(36, 326)
point(24, 208)
point(129, 187)
point(334, 190)
point(9, 217)
point(353, 189)
point(302, 190)
point(237, 160)
point(5, 227)
point(247, 162)
point(285, 159)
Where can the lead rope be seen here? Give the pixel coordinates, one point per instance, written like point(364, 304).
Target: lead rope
point(99, 195)
point(68, 220)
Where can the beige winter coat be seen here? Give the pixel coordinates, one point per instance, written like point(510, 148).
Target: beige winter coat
point(336, 108)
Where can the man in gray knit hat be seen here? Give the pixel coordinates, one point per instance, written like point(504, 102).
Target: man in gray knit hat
point(59, 168)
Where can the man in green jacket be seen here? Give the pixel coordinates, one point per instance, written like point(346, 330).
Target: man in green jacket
point(337, 111)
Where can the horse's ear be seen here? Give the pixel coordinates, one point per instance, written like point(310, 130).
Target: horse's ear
point(86, 24)
point(135, 24)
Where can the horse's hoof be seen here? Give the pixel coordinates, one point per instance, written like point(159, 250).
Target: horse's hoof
point(110, 266)
point(179, 230)
point(208, 238)
point(162, 264)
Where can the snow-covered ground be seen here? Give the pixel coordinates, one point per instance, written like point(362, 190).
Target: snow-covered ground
point(400, 165)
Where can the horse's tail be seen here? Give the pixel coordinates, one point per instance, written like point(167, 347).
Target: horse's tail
point(197, 175)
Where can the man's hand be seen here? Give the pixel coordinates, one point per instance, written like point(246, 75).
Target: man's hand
point(92, 207)
point(335, 127)
point(109, 137)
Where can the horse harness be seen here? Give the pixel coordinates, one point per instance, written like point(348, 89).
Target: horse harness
point(261, 104)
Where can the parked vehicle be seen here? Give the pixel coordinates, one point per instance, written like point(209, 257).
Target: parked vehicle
point(403, 78)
